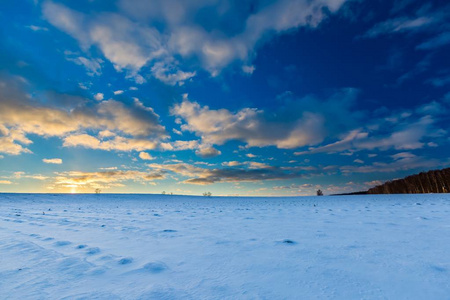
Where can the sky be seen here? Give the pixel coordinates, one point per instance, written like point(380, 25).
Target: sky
point(247, 98)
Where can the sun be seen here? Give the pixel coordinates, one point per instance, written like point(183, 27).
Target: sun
point(73, 190)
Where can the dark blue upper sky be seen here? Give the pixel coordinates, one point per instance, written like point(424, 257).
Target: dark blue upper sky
point(235, 97)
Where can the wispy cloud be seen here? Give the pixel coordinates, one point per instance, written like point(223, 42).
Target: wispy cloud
point(55, 161)
point(117, 143)
point(93, 66)
point(400, 131)
point(435, 42)
point(429, 18)
point(398, 164)
point(37, 28)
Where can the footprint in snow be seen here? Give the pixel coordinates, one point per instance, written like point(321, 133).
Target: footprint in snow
point(126, 261)
point(155, 267)
point(81, 246)
point(289, 242)
point(62, 243)
point(438, 268)
point(93, 250)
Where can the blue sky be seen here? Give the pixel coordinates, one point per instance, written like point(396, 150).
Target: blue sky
point(232, 97)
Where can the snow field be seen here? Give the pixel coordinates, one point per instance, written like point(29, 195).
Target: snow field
point(181, 247)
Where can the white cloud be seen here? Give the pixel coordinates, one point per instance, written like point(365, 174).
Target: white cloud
point(9, 146)
point(131, 45)
point(403, 155)
point(118, 92)
point(56, 161)
point(126, 44)
point(145, 156)
point(9, 139)
point(109, 168)
point(258, 165)
point(341, 145)
point(93, 66)
point(232, 163)
point(170, 74)
point(112, 115)
point(248, 69)
point(21, 175)
point(248, 125)
point(216, 51)
point(294, 124)
point(207, 152)
point(118, 143)
point(37, 28)
point(432, 108)
point(430, 20)
point(98, 96)
point(398, 25)
point(180, 145)
point(106, 134)
point(176, 131)
point(21, 115)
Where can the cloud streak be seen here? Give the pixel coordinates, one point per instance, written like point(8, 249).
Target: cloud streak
point(428, 19)
point(55, 161)
point(401, 131)
point(206, 176)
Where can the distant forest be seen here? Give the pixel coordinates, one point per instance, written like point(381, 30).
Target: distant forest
point(436, 181)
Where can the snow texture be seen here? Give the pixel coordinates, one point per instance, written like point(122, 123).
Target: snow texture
point(180, 247)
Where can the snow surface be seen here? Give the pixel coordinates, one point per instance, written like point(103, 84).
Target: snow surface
point(180, 247)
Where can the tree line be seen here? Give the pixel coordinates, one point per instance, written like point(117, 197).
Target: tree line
point(435, 181)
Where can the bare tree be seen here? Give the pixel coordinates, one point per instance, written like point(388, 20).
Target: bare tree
point(319, 193)
point(436, 181)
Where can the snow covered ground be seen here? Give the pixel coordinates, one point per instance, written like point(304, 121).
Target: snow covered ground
point(179, 247)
